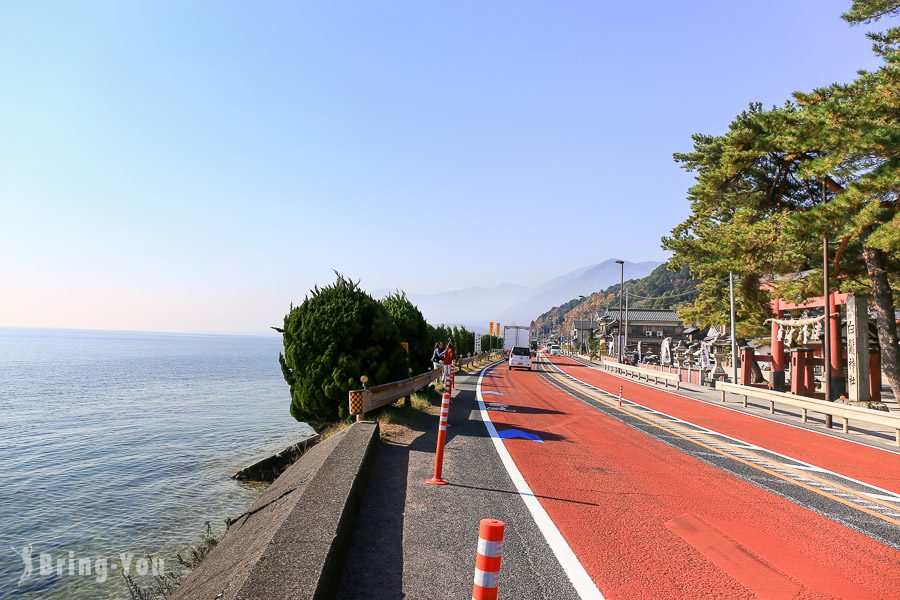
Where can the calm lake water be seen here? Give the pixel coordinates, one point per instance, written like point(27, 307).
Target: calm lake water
point(114, 443)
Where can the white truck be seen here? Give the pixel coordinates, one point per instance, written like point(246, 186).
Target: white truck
point(516, 344)
point(515, 335)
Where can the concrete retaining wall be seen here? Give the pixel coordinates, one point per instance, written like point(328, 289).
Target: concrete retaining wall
point(292, 542)
point(270, 468)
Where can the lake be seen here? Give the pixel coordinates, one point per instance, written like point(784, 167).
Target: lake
point(117, 445)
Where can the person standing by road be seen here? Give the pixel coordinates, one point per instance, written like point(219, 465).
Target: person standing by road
point(437, 357)
point(447, 359)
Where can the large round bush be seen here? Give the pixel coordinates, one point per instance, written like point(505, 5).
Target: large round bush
point(338, 334)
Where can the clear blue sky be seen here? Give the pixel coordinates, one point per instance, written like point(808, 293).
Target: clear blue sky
point(197, 166)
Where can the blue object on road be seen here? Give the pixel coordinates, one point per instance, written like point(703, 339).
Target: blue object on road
point(509, 434)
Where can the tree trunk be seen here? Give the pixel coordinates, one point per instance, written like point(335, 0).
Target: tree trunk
point(885, 320)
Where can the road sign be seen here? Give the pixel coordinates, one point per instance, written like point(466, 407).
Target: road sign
point(477, 344)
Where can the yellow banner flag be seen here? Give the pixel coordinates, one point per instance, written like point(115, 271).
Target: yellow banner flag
point(492, 327)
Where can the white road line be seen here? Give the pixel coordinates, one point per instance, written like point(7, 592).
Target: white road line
point(882, 497)
point(581, 581)
point(738, 443)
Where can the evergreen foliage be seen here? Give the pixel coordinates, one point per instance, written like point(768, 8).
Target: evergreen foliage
point(340, 333)
point(336, 335)
point(413, 328)
point(775, 184)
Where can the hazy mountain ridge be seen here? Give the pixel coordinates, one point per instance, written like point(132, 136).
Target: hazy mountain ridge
point(512, 304)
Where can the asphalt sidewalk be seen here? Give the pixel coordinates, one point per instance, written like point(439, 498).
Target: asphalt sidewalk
point(414, 540)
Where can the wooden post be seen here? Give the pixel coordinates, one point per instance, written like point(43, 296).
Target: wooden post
point(747, 359)
point(875, 376)
point(777, 372)
point(837, 367)
point(796, 373)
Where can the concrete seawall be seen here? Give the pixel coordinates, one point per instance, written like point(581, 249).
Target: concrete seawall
point(292, 542)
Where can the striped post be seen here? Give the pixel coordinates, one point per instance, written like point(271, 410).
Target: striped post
point(441, 439)
point(620, 395)
point(487, 560)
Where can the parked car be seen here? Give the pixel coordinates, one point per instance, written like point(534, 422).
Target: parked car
point(520, 357)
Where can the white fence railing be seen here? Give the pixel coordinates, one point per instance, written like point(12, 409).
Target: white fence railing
point(807, 405)
point(649, 374)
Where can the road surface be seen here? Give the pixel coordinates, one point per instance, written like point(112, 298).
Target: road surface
point(667, 497)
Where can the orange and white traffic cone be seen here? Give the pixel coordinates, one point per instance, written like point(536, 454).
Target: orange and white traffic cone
point(441, 439)
point(487, 560)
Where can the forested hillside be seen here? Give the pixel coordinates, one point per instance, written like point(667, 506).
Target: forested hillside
point(660, 289)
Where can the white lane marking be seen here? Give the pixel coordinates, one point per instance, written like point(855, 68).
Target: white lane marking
point(804, 467)
point(882, 497)
point(738, 443)
point(581, 581)
point(495, 393)
point(709, 403)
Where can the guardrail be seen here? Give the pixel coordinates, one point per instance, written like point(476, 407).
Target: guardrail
point(638, 372)
point(807, 405)
point(368, 399)
point(465, 362)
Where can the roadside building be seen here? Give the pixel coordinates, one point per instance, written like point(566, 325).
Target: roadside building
point(649, 326)
point(582, 332)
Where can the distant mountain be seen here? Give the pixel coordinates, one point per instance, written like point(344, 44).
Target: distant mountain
point(660, 289)
point(583, 281)
point(518, 305)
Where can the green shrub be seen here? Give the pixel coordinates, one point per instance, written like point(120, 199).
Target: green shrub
point(413, 330)
point(336, 335)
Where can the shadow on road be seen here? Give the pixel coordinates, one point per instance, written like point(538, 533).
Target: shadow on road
point(524, 410)
point(379, 529)
point(486, 489)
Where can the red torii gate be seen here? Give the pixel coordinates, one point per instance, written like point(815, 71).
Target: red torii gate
point(802, 361)
point(804, 385)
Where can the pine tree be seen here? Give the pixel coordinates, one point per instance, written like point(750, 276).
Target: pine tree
point(778, 181)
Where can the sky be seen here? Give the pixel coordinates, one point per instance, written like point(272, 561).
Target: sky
point(198, 166)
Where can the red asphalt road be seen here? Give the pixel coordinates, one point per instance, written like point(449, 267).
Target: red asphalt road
point(647, 521)
point(870, 465)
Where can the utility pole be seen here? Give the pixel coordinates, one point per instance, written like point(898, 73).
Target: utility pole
point(625, 343)
point(734, 364)
point(621, 354)
point(826, 349)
